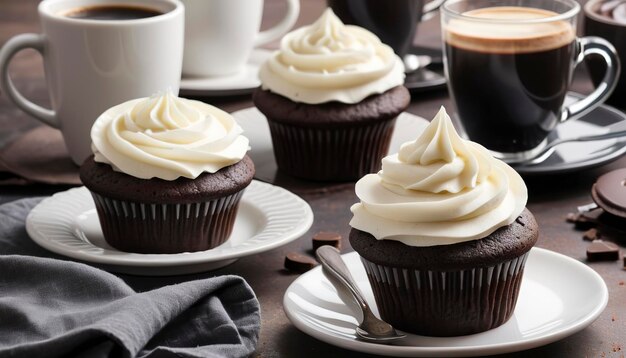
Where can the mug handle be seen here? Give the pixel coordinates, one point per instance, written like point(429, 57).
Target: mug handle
point(293, 10)
point(12, 47)
point(596, 46)
point(430, 9)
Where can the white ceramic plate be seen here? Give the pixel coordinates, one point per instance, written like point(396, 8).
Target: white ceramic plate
point(559, 296)
point(268, 217)
point(240, 83)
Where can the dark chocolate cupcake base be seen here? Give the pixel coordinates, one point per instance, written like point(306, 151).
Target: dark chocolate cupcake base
point(330, 154)
point(448, 290)
point(166, 228)
point(446, 303)
point(156, 216)
point(331, 141)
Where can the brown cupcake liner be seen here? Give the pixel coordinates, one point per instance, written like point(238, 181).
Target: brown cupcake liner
point(331, 154)
point(166, 228)
point(446, 303)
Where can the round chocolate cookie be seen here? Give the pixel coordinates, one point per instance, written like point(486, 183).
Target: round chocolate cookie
point(609, 192)
point(448, 290)
point(157, 216)
point(331, 141)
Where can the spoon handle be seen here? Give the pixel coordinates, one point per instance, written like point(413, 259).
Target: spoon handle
point(332, 262)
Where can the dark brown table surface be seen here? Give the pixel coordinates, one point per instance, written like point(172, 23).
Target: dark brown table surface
point(550, 199)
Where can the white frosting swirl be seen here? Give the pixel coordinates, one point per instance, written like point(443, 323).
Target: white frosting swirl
point(167, 137)
point(438, 190)
point(329, 61)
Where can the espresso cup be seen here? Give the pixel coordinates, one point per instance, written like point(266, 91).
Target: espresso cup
point(613, 31)
point(93, 64)
point(509, 63)
point(220, 34)
point(394, 22)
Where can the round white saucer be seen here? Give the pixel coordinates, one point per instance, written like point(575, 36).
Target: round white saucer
point(559, 296)
point(569, 157)
point(240, 83)
point(268, 217)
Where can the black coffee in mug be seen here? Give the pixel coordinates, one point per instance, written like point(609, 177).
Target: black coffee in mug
point(509, 83)
point(394, 22)
point(112, 12)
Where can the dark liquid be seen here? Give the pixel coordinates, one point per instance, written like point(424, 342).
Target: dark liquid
point(112, 12)
point(508, 101)
point(394, 22)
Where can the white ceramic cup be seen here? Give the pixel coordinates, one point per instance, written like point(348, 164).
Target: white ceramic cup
point(220, 34)
point(92, 65)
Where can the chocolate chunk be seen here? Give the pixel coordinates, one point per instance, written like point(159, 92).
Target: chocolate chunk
point(326, 238)
point(624, 262)
point(583, 222)
point(600, 250)
point(298, 262)
point(591, 235)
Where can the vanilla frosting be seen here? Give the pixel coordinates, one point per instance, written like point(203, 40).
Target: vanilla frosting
point(439, 189)
point(167, 137)
point(329, 61)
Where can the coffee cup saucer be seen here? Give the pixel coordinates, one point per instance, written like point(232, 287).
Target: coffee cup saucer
point(240, 83)
point(575, 156)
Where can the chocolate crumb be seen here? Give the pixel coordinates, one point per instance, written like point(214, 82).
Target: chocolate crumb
point(298, 262)
point(616, 347)
point(326, 238)
point(591, 235)
point(621, 283)
point(613, 318)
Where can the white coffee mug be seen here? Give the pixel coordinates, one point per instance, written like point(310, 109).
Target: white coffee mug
point(220, 34)
point(92, 65)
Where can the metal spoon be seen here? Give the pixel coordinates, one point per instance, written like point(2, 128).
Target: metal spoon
point(371, 329)
point(547, 151)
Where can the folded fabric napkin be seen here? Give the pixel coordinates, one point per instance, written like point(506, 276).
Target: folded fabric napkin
point(54, 308)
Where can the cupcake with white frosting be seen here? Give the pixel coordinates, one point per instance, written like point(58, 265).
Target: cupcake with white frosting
point(443, 233)
point(167, 174)
point(331, 95)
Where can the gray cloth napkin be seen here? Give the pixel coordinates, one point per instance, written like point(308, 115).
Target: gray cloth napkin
point(58, 308)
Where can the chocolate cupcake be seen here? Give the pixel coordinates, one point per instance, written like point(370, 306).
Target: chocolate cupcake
point(331, 96)
point(443, 234)
point(167, 174)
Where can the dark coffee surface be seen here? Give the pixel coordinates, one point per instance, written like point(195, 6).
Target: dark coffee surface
point(112, 12)
point(504, 244)
point(507, 101)
point(394, 22)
